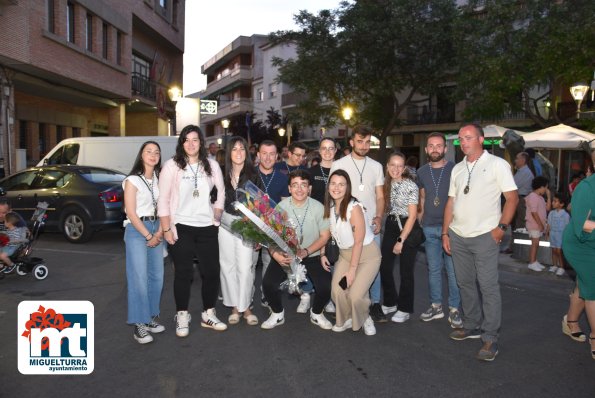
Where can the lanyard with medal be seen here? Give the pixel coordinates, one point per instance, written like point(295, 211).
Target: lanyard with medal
point(361, 173)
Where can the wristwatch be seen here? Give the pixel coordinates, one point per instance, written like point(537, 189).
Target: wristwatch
point(399, 239)
point(503, 227)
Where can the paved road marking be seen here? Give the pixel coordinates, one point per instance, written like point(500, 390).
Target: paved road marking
point(80, 252)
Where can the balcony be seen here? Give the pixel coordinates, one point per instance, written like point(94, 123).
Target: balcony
point(228, 109)
point(418, 115)
point(143, 87)
point(242, 75)
point(290, 100)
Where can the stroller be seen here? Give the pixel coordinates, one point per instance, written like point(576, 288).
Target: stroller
point(23, 262)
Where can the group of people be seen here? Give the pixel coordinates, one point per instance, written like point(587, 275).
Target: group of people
point(455, 209)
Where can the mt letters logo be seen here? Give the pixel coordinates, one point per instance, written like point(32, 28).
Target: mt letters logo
point(56, 337)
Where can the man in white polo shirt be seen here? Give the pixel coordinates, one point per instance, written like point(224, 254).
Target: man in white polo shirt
point(472, 231)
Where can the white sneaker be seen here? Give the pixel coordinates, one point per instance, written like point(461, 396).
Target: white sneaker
point(347, 325)
point(400, 317)
point(330, 308)
point(553, 268)
point(536, 267)
point(369, 328)
point(182, 323)
point(560, 272)
point(304, 305)
point(320, 320)
point(274, 320)
point(388, 310)
point(210, 320)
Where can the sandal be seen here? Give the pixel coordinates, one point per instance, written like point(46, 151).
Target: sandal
point(592, 350)
point(576, 336)
point(234, 318)
point(251, 319)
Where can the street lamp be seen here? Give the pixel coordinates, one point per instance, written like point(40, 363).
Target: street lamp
point(347, 113)
point(225, 124)
point(174, 94)
point(578, 92)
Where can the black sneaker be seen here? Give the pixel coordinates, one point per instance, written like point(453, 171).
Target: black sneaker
point(141, 334)
point(377, 314)
point(9, 268)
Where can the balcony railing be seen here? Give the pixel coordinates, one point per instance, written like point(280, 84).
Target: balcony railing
point(143, 86)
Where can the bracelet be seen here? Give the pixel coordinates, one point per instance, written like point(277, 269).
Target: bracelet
point(323, 255)
point(148, 239)
point(147, 235)
point(444, 233)
point(166, 230)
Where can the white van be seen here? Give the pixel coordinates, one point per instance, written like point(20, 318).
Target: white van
point(116, 153)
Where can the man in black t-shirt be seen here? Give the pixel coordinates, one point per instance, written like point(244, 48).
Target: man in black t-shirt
point(320, 172)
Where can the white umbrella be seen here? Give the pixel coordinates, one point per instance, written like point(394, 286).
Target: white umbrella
point(558, 137)
point(493, 131)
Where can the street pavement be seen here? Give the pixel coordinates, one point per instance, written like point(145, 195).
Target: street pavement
point(296, 359)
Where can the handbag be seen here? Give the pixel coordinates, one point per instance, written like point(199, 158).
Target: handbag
point(331, 250)
point(416, 236)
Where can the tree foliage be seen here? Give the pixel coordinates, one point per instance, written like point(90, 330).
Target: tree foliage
point(372, 54)
point(513, 54)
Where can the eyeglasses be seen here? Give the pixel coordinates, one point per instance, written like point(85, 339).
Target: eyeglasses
point(302, 185)
point(299, 155)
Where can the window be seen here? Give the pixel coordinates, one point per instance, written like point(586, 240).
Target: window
point(174, 13)
point(43, 139)
point(51, 16)
point(119, 48)
point(20, 182)
point(51, 179)
point(89, 30)
point(68, 154)
point(59, 133)
point(104, 35)
point(260, 95)
point(70, 22)
point(76, 132)
point(22, 134)
point(272, 90)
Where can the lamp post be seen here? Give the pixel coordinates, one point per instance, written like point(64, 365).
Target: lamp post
point(174, 94)
point(578, 92)
point(347, 113)
point(225, 124)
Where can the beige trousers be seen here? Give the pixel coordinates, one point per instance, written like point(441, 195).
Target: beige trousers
point(354, 302)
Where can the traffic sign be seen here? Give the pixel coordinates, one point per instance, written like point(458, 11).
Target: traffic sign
point(208, 107)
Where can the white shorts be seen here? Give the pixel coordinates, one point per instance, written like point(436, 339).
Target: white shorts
point(534, 234)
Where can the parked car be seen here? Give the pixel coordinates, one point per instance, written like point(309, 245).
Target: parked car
point(81, 199)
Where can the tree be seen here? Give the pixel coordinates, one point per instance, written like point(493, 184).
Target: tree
point(515, 54)
point(374, 55)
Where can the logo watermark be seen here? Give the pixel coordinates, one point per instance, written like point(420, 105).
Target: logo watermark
point(56, 337)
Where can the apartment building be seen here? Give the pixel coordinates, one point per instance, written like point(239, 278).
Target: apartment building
point(73, 68)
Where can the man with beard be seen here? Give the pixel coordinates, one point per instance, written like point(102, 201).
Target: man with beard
point(434, 179)
point(274, 184)
point(473, 227)
point(367, 182)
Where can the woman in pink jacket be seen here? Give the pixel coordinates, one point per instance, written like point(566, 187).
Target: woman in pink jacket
point(190, 224)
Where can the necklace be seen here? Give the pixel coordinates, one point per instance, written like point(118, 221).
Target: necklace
point(324, 176)
point(297, 219)
point(150, 185)
point(235, 181)
point(266, 186)
point(466, 190)
point(436, 186)
point(361, 173)
point(195, 193)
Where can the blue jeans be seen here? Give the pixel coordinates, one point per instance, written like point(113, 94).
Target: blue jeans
point(437, 259)
point(144, 274)
point(375, 288)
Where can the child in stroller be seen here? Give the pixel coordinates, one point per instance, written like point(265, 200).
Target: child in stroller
point(23, 240)
point(13, 238)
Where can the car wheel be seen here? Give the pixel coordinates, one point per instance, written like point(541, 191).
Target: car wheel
point(76, 226)
point(22, 269)
point(40, 272)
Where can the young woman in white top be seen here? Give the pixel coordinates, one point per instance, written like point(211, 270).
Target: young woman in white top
point(359, 258)
point(190, 224)
point(144, 250)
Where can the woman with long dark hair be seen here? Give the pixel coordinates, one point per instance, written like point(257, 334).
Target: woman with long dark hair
point(402, 196)
point(237, 270)
point(144, 249)
point(359, 256)
point(190, 224)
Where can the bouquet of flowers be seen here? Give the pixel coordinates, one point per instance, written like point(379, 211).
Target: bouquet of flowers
point(263, 224)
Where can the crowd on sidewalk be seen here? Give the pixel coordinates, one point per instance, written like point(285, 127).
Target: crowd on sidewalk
point(373, 214)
